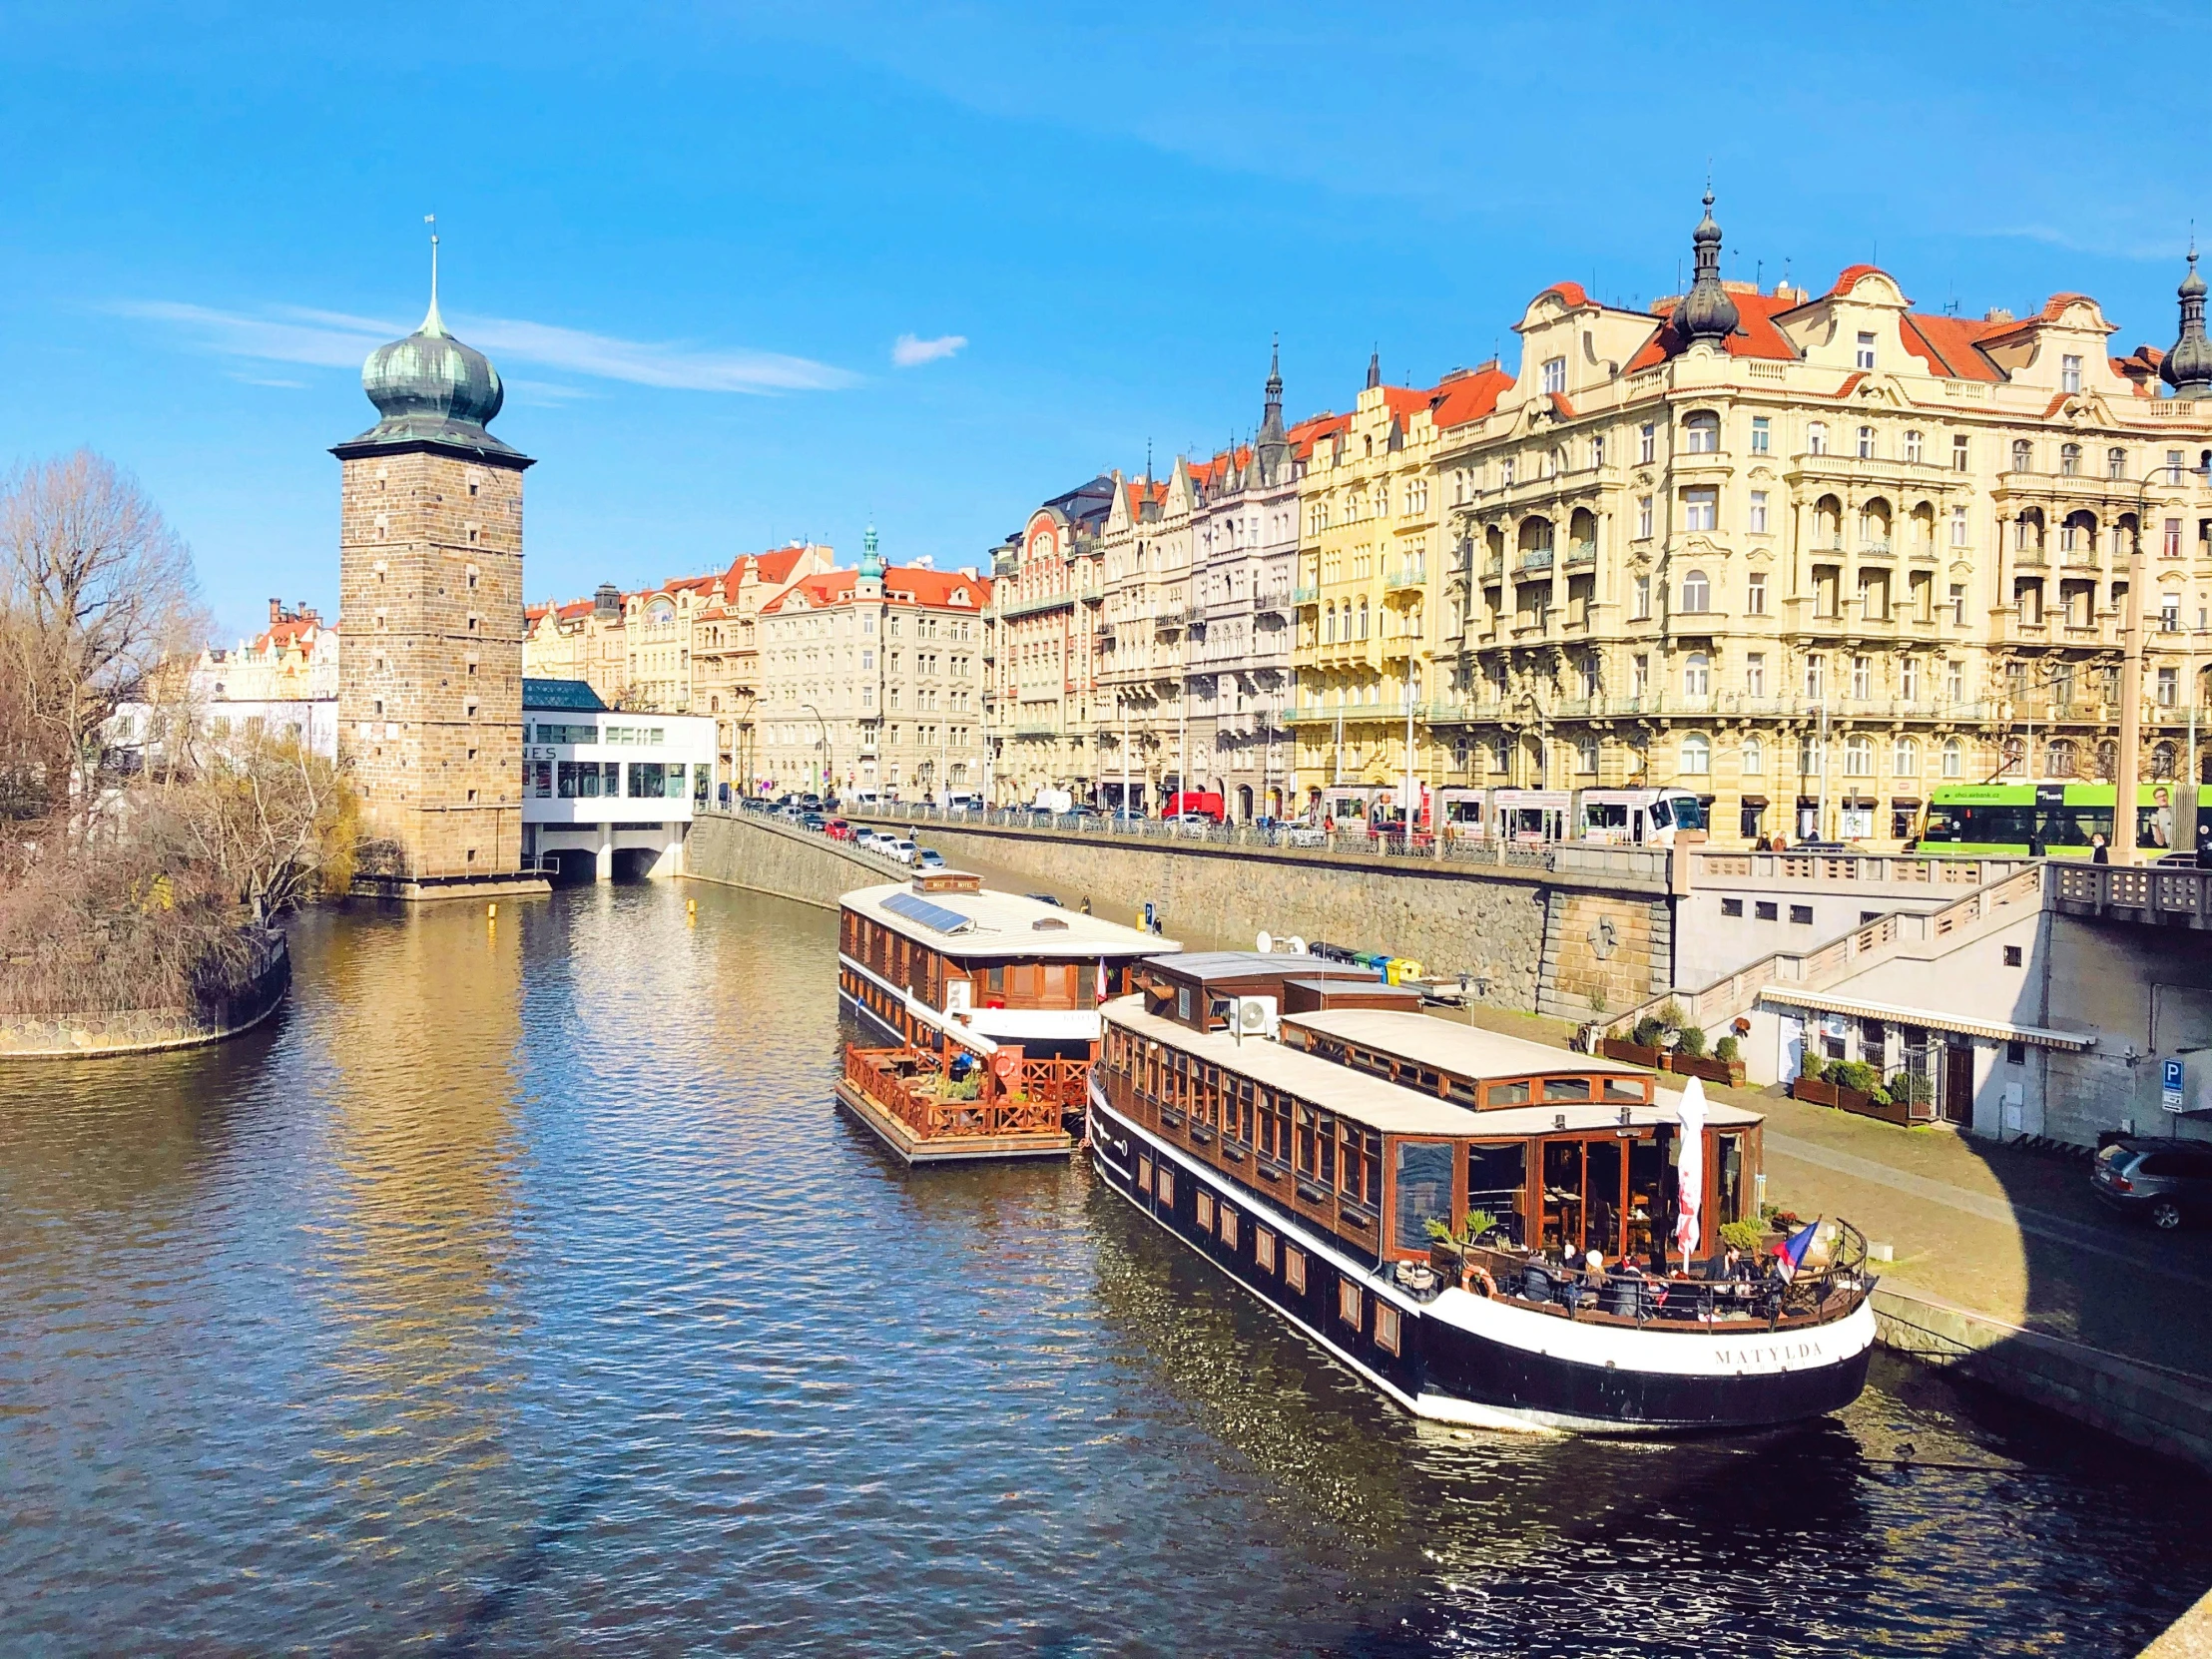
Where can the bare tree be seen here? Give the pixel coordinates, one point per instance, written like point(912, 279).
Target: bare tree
point(270, 824)
point(95, 589)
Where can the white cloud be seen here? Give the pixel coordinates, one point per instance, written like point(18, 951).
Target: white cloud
point(334, 339)
point(909, 352)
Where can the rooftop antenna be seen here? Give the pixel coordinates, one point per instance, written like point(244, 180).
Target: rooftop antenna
point(433, 323)
point(1759, 273)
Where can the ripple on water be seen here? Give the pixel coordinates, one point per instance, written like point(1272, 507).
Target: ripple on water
point(518, 1289)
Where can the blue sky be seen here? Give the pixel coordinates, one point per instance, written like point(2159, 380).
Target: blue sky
point(693, 237)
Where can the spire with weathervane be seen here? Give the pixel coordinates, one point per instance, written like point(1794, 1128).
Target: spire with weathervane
point(2188, 367)
point(1271, 448)
point(1706, 315)
point(869, 584)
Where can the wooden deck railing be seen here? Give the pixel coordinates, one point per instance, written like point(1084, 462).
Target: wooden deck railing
point(906, 1083)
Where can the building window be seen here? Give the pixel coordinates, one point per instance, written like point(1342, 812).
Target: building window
point(1866, 443)
point(1800, 915)
point(1555, 375)
point(2169, 688)
point(1643, 518)
point(1913, 447)
point(1642, 611)
point(1816, 438)
point(1862, 678)
point(1598, 451)
point(1758, 513)
point(2070, 460)
point(1647, 443)
point(1697, 593)
point(1702, 433)
point(1866, 349)
point(1752, 757)
point(1755, 674)
point(1762, 434)
point(1732, 906)
point(1755, 593)
point(2115, 463)
point(1697, 756)
point(1959, 452)
point(1697, 675)
point(1815, 679)
point(1958, 527)
point(1639, 674)
point(1701, 507)
point(2070, 374)
point(1955, 758)
point(2170, 544)
point(1909, 679)
point(2022, 454)
point(1585, 756)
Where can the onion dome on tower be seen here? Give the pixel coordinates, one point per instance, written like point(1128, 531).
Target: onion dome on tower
point(2188, 367)
point(1706, 312)
point(869, 584)
point(430, 389)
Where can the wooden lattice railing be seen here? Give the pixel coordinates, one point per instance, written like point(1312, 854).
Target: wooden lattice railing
point(910, 1084)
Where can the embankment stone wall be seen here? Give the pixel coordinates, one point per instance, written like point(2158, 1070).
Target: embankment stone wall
point(143, 1030)
point(755, 852)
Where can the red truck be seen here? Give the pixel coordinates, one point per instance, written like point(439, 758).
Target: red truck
point(1205, 802)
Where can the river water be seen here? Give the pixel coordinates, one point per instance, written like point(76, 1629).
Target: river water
point(520, 1290)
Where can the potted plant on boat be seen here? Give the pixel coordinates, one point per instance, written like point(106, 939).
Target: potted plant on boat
point(1449, 1248)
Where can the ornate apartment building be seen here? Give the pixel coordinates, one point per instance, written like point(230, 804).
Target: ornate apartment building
point(1370, 557)
point(1809, 554)
point(687, 646)
point(873, 679)
point(431, 595)
point(1043, 648)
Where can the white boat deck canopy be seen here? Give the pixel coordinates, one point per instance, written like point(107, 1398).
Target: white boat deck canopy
point(1445, 1045)
point(1397, 1110)
point(1994, 1030)
point(987, 923)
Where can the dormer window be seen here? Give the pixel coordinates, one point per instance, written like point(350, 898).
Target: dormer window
point(1866, 348)
point(1555, 375)
point(2070, 374)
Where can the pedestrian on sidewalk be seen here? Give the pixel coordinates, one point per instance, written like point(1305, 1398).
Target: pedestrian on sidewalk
point(2099, 853)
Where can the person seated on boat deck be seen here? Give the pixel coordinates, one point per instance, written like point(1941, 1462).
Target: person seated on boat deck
point(1729, 1263)
point(959, 1066)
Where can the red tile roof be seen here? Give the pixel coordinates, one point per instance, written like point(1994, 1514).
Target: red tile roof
point(1311, 431)
point(1468, 398)
point(1950, 344)
point(1850, 275)
point(1757, 334)
point(933, 588)
point(1572, 292)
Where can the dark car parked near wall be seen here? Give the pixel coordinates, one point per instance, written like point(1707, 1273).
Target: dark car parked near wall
point(2166, 1182)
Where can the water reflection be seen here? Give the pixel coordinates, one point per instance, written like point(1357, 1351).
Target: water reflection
point(520, 1290)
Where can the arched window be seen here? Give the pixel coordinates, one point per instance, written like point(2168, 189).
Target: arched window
point(1328, 625)
point(1697, 593)
point(1697, 675)
point(1866, 443)
point(1905, 757)
point(2070, 460)
point(1362, 619)
point(1859, 756)
point(2059, 760)
point(1955, 758)
point(1752, 758)
point(2108, 761)
point(2023, 453)
point(1697, 756)
point(1702, 433)
point(2165, 760)
point(2115, 463)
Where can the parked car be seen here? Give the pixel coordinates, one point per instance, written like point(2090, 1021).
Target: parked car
point(812, 821)
point(863, 837)
point(1303, 835)
point(837, 830)
point(897, 846)
point(1194, 820)
point(2166, 1182)
point(928, 858)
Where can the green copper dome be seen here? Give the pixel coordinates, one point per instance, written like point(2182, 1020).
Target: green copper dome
point(430, 389)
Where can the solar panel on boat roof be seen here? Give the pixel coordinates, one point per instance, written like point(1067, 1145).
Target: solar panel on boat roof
point(917, 909)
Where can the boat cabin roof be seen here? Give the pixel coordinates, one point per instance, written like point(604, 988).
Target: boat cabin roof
point(1205, 967)
point(980, 924)
point(1445, 1045)
point(1394, 1109)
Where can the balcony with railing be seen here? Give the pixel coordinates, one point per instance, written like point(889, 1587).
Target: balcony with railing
point(1411, 576)
point(1306, 595)
point(1009, 607)
point(1581, 553)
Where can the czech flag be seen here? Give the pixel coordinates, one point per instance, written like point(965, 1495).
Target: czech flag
point(1790, 1252)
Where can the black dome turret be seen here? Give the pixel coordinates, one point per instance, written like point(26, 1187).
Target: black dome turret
point(2188, 367)
point(1706, 312)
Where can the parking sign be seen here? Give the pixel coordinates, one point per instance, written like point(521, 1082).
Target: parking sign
point(2169, 1094)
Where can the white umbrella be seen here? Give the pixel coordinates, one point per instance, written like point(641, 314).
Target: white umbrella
point(1689, 1175)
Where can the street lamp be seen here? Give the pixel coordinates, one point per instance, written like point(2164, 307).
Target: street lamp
point(828, 754)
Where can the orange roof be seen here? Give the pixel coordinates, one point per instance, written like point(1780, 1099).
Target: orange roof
point(1309, 432)
point(1847, 280)
point(1471, 396)
point(1404, 401)
point(1757, 334)
point(1950, 344)
point(1572, 292)
point(933, 588)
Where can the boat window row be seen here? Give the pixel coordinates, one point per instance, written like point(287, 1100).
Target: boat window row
point(1605, 1088)
point(1612, 1188)
point(892, 955)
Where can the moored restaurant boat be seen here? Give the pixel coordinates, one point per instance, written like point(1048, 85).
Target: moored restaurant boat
point(988, 1004)
point(1308, 1154)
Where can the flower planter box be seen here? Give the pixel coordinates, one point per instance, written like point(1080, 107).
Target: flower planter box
point(1619, 1048)
point(1850, 1100)
point(1706, 1067)
point(1814, 1092)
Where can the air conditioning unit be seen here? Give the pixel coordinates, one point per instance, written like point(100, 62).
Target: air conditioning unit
point(1256, 1017)
point(959, 998)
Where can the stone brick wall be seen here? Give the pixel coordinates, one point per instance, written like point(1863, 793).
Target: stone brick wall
point(430, 678)
point(746, 850)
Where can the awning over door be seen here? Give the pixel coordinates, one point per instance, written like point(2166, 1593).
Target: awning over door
point(1989, 1030)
